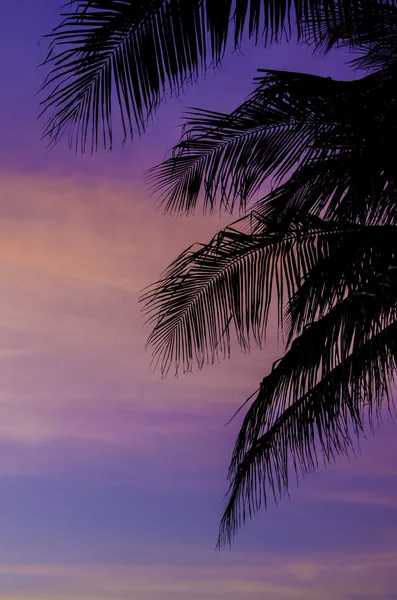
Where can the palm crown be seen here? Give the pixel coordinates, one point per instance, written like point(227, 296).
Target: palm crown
point(322, 241)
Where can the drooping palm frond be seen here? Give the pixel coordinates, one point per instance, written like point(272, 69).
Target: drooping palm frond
point(319, 349)
point(228, 284)
point(370, 31)
point(324, 422)
point(224, 285)
point(132, 53)
point(314, 397)
point(228, 157)
point(291, 121)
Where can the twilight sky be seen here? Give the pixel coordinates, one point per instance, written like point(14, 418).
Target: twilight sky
point(111, 480)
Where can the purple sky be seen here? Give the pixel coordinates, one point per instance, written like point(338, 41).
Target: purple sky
point(111, 480)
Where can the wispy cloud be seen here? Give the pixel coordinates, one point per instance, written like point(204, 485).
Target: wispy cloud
point(317, 577)
point(367, 498)
point(73, 257)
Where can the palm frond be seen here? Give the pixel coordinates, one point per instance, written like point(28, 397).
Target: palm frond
point(225, 158)
point(323, 422)
point(319, 349)
point(227, 285)
point(133, 53)
point(228, 157)
point(210, 289)
point(314, 394)
point(370, 31)
point(291, 121)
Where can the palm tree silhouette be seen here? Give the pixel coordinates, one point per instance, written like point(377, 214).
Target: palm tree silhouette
point(323, 241)
point(131, 54)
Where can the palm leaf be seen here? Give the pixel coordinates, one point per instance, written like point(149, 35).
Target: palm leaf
point(319, 349)
point(370, 32)
point(313, 394)
point(228, 157)
point(133, 53)
point(228, 284)
point(326, 419)
point(292, 120)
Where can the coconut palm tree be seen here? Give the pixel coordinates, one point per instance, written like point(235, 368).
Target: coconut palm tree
point(322, 242)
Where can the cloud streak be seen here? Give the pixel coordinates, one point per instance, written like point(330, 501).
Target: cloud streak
point(316, 577)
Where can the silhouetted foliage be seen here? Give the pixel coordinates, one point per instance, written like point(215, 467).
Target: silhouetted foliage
point(321, 244)
point(132, 53)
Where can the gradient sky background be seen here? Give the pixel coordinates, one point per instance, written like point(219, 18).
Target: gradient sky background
point(111, 480)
